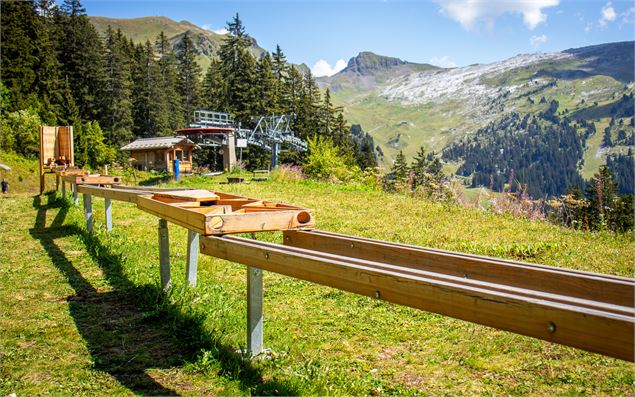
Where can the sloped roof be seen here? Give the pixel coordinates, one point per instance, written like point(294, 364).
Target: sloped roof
point(162, 142)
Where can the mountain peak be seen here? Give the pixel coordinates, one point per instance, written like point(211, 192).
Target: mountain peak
point(367, 62)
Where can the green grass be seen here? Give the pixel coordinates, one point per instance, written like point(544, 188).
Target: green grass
point(83, 314)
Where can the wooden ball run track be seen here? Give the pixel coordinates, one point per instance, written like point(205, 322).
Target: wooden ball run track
point(589, 311)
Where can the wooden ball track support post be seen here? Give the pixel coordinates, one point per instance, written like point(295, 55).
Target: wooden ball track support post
point(589, 311)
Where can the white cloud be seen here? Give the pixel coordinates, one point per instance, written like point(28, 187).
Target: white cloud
point(470, 12)
point(587, 28)
point(208, 26)
point(607, 14)
point(537, 41)
point(444, 62)
point(323, 68)
point(628, 16)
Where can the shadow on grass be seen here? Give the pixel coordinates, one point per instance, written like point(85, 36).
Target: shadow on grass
point(156, 180)
point(131, 328)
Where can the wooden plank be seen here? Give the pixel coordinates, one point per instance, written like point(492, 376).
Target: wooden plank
point(593, 330)
point(98, 179)
point(129, 196)
point(188, 195)
point(92, 179)
point(188, 219)
point(585, 285)
point(153, 188)
point(492, 286)
point(238, 222)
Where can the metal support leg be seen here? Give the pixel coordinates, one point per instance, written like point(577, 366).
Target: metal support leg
point(63, 189)
point(164, 254)
point(88, 212)
point(108, 206)
point(75, 195)
point(254, 310)
point(191, 265)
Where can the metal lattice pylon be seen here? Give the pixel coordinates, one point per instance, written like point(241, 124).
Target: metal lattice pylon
point(271, 132)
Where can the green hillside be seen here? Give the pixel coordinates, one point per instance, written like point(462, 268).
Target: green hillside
point(405, 106)
point(142, 29)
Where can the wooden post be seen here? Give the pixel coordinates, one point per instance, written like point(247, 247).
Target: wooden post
point(108, 206)
point(164, 254)
point(254, 311)
point(75, 195)
point(192, 257)
point(63, 188)
point(57, 182)
point(88, 212)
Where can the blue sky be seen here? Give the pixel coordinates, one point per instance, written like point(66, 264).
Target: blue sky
point(324, 34)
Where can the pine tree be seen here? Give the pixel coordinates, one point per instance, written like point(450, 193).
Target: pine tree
point(307, 123)
point(117, 107)
point(281, 73)
point(189, 76)
point(238, 71)
point(400, 168)
point(19, 37)
point(265, 87)
point(80, 53)
point(168, 83)
point(213, 88)
point(327, 117)
point(150, 103)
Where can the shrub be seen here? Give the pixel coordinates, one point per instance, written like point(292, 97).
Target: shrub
point(20, 133)
point(325, 162)
point(90, 149)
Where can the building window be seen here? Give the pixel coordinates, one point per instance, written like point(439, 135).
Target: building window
point(186, 155)
point(179, 154)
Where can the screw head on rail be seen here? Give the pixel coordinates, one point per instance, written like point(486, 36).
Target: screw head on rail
point(551, 327)
point(377, 294)
point(266, 255)
point(352, 245)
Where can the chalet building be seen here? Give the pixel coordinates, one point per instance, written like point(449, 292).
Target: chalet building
point(159, 153)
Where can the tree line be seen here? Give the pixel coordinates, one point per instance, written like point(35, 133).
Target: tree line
point(57, 69)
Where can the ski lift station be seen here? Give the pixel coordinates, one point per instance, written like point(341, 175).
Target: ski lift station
point(215, 129)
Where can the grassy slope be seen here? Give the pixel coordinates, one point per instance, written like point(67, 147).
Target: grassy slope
point(83, 315)
point(434, 125)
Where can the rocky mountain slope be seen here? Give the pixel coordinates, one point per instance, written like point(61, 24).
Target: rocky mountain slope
point(406, 105)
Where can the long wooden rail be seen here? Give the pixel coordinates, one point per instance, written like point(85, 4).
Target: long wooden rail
point(589, 311)
point(590, 324)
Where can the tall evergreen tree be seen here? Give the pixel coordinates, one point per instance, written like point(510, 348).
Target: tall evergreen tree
point(400, 167)
point(117, 107)
point(168, 82)
point(281, 73)
point(20, 30)
point(80, 52)
point(238, 71)
point(189, 76)
point(150, 104)
point(213, 88)
point(265, 87)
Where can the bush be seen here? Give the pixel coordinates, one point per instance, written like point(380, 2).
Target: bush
point(90, 149)
point(325, 162)
point(20, 133)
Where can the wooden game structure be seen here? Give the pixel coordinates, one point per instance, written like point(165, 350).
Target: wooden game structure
point(589, 311)
point(56, 150)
